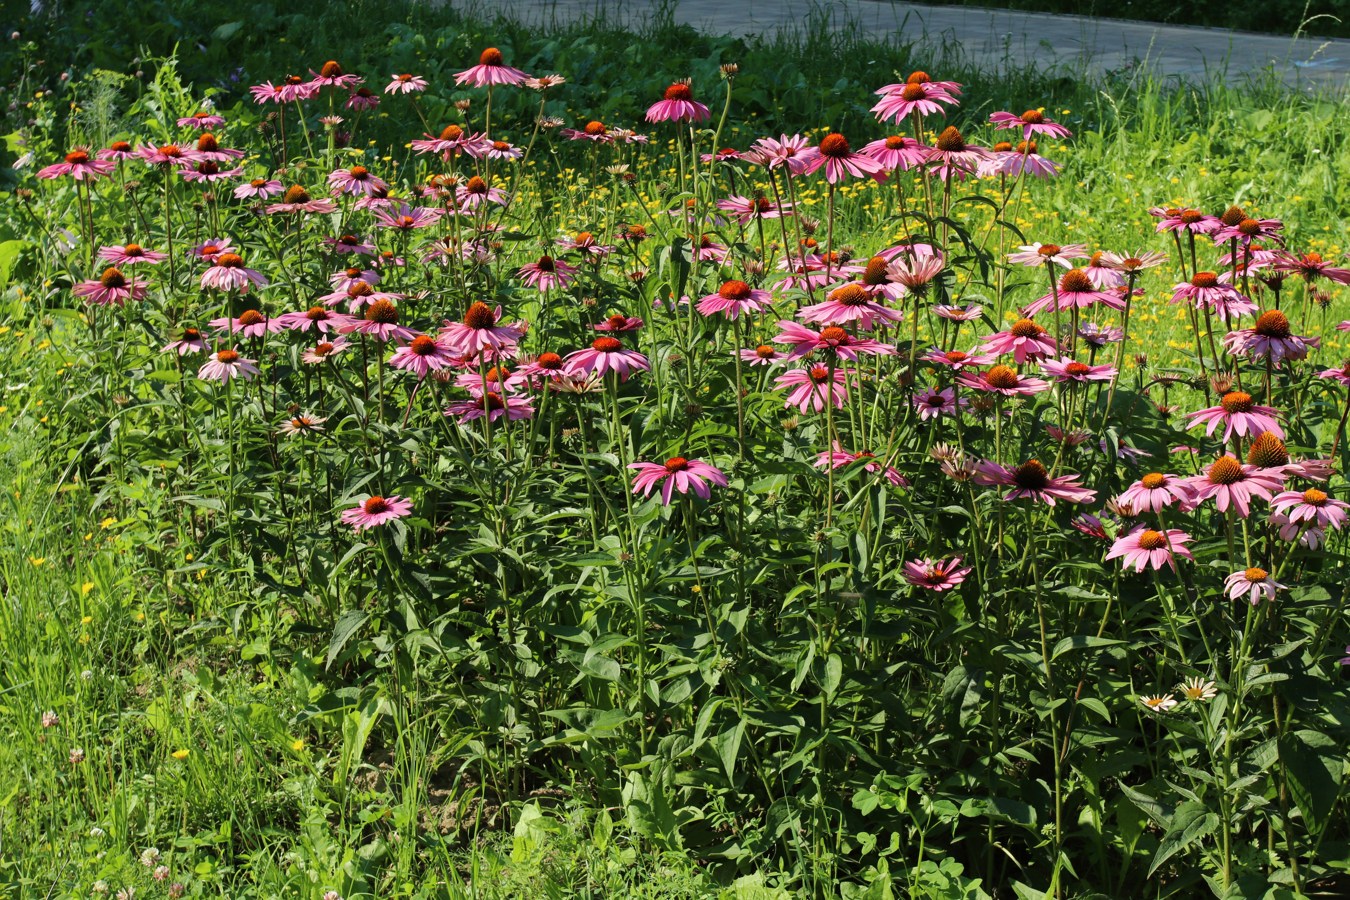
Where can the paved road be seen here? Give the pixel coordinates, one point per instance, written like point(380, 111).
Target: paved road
point(1002, 37)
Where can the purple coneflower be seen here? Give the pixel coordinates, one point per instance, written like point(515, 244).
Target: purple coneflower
point(1032, 481)
point(546, 273)
point(1240, 415)
point(814, 387)
point(935, 575)
point(606, 354)
point(422, 355)
point(1254, 583)
point(1024, 340)
point(229, 274)
point(1150, 548)
point(837, 457)
point(376, 511)
point(493, 405)
point(932, 403)
point(189, 341)
point(226, 364)
point(840, 161)
point(250, 324)
point(1233, 484)
point(79, 166)
point(1033, 121)
point(1002, 380)
point(849, 303)
point(1270, 337)
point(676, 474)
point(109, 288)
point(131, 254)
point(678, 105)
point(1070, 370)
point(1157, 491)
point(491, 69)
point(406, 84)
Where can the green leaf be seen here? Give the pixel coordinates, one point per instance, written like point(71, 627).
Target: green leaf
point(1192, 822)
point(1313, 766)
point(834, 672)
point(347, 625)
point(1081, 642)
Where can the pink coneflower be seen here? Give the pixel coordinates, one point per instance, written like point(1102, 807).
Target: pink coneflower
point(790, 151)
point(952, 158)
point(330, 74)
point(209, 172)
point(202, 120)
point(283, 92)
point(1033, 121)
point(676, 474)
point(830, 339)
point(350, 243)
point(355, 181)
point(164, 155)
point(117, 151)
point(477, 192)
point(841, 162)
point(763, 355)
point(406, 84)
point(503, 150)
point(1024, 340)
point(1070, 370)
point(1233, 484)
point(1032, 481)
point(1095, 335)
point(1310, 266)
point(734, 298)
point(1248, 230)
point(422, 355)
point(258, 188)
point(1189, 220)
point(493, 405)
point(595, 131)
point(491, 69)
point(897, 152)
point(343, 279)
point(814, 387)
point(958, 359)
point(546, 273)
point(226, 364)
point(250, 324)
point(504, 380)
point(1002, 380)
point(677, 105)
point(1156, 491)
point(935, 575)
point(481, 333)
point(921, 77)
point(1341, 375)
point(298, 200)
point(966, 313)
point(1015, 163)
point(1090, 525)
point(1076, 291)
point(316, 317)
point(584, 243)
point(1103, 276)
point(1135, 263)
point(749, 209)
point(606, 354)
point(849, 303)
point(932, 403)
point(211, 250)
point(726, 154)
point(208, 148)
point(131, 254)
point(363, 98)
point(109, 288)
point(1150, 548)
point(1311, 508)
point(359, 293)
point(189, 341)
point(408, 218)
point(925, 98)
point(1240, 414)
point(229, 274)
point(79, 166)
point(1254, 583)
point(323, 351)
point(708, 250)
point(837, 457)
point(1074, 438)
point(619, 322)
point(452, 139)
point(1038, 254)
point(380, 320)
point(544, 82)
point(1206, 290)
point(876, 278)
point(1271, 338)
point(302, 424)
point(376, 511)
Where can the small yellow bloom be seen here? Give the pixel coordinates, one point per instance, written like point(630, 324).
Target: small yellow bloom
point(86, 588)
point(298, 744)
point(107, 523)
point(37, 560)
point(85, 620)
point(140, 617)
point(181, 754)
